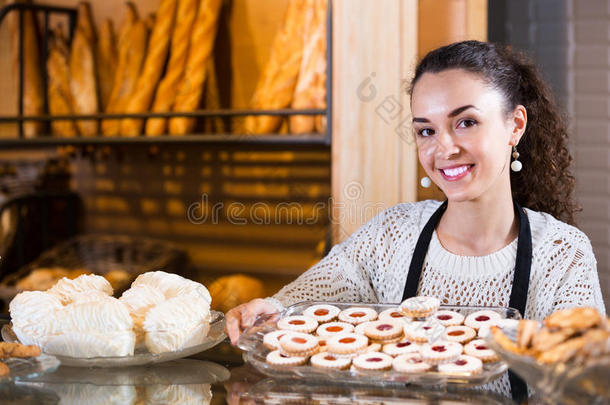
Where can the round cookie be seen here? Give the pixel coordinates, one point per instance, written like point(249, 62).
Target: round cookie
point(479, 319)
point(357, 315)
point(479, 349)
point(271, 340)
point(394, 313)
point(298, 344)
point(347, 344)
point(322, 312)
point(440, 352)
point(298, 323)
point(384, 330)
point(329, 361)
point(373, 361)
point(448, 318)
point(410, 363)
point(422, 332)
point(399, 348)
point(359, 329)
point(463, 364)
point(278, 359)
point(419, 307)
point(459, 333)
point(334, 328)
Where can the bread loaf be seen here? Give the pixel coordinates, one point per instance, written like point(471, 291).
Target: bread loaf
point(59, 94)
point(83, 81)
point(128, 70)
point(106, 62)
point(33, 90)
point(156, 56)
point(310, 90)
point(191, 87)
point(276, 85)
point(168, 87)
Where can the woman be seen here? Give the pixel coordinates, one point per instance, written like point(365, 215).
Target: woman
point(489, 136)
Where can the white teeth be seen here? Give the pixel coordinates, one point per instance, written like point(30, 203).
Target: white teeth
point(456, 171)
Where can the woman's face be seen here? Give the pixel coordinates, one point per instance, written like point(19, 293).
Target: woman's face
point(463, 135)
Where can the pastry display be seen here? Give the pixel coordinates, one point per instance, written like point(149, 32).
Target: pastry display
point(79, 318)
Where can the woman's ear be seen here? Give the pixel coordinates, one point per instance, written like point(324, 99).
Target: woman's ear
point(518, 123)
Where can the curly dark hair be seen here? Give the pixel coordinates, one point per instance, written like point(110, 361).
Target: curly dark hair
point(546, 182)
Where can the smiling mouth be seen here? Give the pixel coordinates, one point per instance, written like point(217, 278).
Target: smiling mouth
point(456, 173)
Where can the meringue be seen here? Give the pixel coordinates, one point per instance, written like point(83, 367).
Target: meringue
point(66, 288)
point(172, 285)
point(138, 300)
point(33, 316)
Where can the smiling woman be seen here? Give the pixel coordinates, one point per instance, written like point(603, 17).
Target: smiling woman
point(474, 105)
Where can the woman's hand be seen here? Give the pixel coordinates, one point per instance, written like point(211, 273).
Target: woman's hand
point(243, 316)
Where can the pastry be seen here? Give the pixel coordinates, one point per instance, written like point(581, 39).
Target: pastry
point(422, 332)
point(32, 315)
point(298, 323)
point(373, 361)
point(479, 319)
point(402, 347)
point(384, 330)
point(18, 350)
point(419, 307)
point(478, 348)
point(173, 285)
point(328, 361)
point(410, 363)
point(394, 313)
point(574, 318)
point(107, 58)
point(66, 287)
point(359, 329)
point(333, 328)
point(230, 291)
point(448, 318)
point(4, 370)
point(139, 300)
point(546, 338)
point(322, 313)
point(347, 344)
point(463, 364)
point(504, 341)
point(526, 331)
point(278, 359)
point(357, 315)
point(459, 333)
point(271, 340)
point(440, 352)
point(296, 344)
point(58, 86)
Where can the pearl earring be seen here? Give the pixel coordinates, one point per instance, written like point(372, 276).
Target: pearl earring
point(516, 166)
point(425, 182)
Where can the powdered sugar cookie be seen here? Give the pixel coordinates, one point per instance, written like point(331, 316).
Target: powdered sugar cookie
point(460, 334)
point(271, 340)
point(479, 349)
point(384, 330)
point(298, 344)
point(333, 328)
point(330, 361)
point(322, 312)
point(448, 318)
point(347, 343)
point(373, 361)
point(298, 323)
point(422, 332)
point(357, 315)
point(402, 347)
point(278, 359)
point(410, 363)
point(479, 319)
point(463, 364)
point(419, 307)
point(359, 329)
point(394, 313)
point(440, 352)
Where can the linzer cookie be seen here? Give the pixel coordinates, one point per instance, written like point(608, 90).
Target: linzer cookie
point(373, 361)
point(448, 318)
point(422, 332)
point(298, 344)
point(330, 361)
point(394, 313)
point(278, 359)
point(359, 329)
point(347, 344)
point(463, 364)
point(333, 328)
point(479, 349)
point(271, 340)
point(485, 318)
point(399, 348)
point(419, 307)
point(410, 363)
point(298, 323)
point(384, 330)
point(357, 315)
point(460, 334)
point(440, 352)
point(322, 312)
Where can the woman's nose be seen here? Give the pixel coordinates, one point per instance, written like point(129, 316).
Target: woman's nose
point(445, 145)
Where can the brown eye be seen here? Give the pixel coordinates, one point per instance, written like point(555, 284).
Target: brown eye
point(467, 123)
point(425, 132)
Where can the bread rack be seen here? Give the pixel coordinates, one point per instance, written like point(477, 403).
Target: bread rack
point(323, 139)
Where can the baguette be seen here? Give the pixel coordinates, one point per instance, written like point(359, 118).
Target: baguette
point(191, 88)
point(59, 94)
point(276, 86)
point(106, 62)
point(158, 47)
point(310, 90)
point(128, 70)
point(168, 87)
point(33, 89)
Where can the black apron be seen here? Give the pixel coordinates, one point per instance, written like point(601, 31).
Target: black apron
point(518, 295)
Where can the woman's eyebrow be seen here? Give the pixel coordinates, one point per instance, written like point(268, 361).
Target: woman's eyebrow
point(453, 113)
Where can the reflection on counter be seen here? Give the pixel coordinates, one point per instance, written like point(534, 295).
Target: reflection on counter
point(177, 382)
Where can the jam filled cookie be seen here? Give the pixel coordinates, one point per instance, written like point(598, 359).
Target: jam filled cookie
point(478, 348)
point(460, 334)
point(271, 340)
point(399, 348)
point(322, 313)
point(463, 364)
point(359, 329)
point(278, 359)
point(330, 361)
point(347, 344)
point(440, 352)
point(422, 332)
point(479, 319)
point(384, 330)
point(298, 344)
point(419, 307)
point(394, 313)
point(357, 315)
point(410, 363)
point(373, 361)
point(448, 318)
point(298, 323)
point(333, 328)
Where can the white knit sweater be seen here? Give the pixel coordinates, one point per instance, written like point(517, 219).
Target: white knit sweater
point(372, 266)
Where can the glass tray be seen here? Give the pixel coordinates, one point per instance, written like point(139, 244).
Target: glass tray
point(29, 367)
point(251, 341)
point(565, 383)
point(215, 336)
